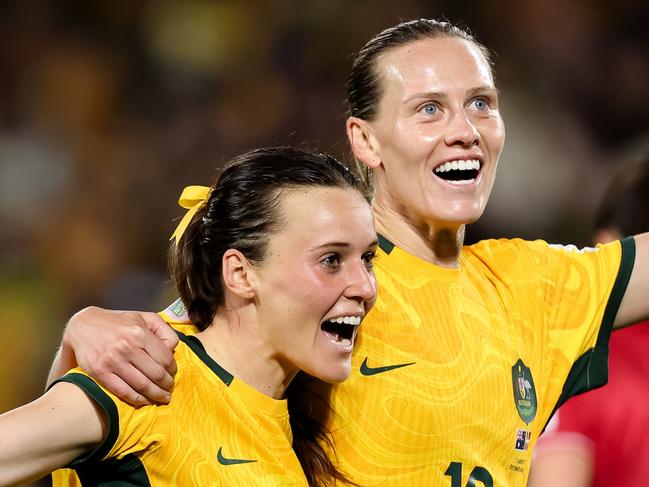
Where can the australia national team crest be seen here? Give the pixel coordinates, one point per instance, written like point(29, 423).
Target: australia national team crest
point(524, 392)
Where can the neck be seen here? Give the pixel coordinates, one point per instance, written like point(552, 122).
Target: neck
point(236, 347)
point(433, 242)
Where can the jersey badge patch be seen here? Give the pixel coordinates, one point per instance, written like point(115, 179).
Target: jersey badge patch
point(524, 392)
point(522, 440)
point(177, 308)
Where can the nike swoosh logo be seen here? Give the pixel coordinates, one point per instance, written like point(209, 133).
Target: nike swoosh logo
point(367, 370)
point(230, 461)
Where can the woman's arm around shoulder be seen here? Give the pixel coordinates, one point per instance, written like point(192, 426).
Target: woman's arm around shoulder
point(128, 352)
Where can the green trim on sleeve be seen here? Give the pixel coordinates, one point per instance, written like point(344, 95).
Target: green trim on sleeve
point(619, 288)
point(87, 385)
point(590, 371)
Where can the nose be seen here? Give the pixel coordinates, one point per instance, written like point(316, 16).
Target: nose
point(461, 131)
point(361, 285)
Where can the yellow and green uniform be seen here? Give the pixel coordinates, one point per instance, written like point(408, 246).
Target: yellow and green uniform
point(457, 371)
point(216, 431)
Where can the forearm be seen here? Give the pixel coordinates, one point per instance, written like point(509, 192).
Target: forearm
point(65, 358)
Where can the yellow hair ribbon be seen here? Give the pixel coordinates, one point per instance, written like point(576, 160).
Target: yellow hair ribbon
point(192, 198)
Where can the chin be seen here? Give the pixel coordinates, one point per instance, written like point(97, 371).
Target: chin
point(472, 218)
point(465, 214)
point(334, 373)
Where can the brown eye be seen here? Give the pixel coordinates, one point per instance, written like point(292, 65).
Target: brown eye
point(331, 261)
point(368, 259)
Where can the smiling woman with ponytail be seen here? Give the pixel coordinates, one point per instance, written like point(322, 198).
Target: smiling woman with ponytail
point(274, 266)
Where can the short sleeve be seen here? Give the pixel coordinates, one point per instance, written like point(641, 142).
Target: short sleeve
point(128, 426)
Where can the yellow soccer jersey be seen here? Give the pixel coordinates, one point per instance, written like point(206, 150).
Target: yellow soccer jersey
point(216, 431)
point(456, 372)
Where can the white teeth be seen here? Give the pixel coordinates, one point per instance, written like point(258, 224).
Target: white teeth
point(462, 164)
point(347, 320)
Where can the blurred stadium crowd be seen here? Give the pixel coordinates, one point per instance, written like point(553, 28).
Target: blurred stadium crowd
point(108, 108)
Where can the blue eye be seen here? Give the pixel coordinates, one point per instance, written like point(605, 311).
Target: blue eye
point(481, 104)
point(430, 109)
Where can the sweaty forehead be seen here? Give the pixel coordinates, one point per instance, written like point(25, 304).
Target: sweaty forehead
point(432, 61)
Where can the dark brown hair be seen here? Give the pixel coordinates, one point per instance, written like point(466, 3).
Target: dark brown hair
point(242, 212)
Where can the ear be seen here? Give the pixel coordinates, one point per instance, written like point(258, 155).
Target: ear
point(364, 144)
point(237, 277)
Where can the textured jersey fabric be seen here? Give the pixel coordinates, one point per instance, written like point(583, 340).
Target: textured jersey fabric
point(216, 431)
point(457, 371)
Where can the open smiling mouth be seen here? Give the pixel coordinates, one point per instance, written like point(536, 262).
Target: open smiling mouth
point(460, 171)
point(341, 330)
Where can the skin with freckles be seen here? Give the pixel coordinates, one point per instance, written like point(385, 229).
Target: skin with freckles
point(438, 104)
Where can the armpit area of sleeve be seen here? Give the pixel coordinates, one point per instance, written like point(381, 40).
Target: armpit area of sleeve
point(95, 393)
point(591, 369)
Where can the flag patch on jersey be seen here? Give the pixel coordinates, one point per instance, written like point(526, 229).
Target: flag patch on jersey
point(522, 440)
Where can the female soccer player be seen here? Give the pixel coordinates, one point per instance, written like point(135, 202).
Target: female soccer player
point(470, 348)
point(275, 269)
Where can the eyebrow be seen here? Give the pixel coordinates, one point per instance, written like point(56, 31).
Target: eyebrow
point(374, 243)
point(426, 94)
point(482, 89)
point(442, 96)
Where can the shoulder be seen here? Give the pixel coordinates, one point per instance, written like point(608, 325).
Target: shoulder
point(503, 256)
point(504, 247)
point(532, 252)
point(186, 361)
